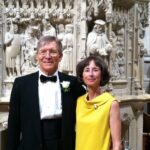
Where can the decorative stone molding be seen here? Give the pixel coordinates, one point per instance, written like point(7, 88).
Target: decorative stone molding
point(132, 108)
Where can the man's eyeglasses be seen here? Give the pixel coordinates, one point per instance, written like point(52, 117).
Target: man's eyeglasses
point(50, 53)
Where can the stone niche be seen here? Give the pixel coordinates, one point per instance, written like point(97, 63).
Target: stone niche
point(113, 29)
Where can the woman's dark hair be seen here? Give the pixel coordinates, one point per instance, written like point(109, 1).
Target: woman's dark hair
point(99, 62)
point(48, 39)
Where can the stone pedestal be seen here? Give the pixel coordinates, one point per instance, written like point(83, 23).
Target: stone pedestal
point(3, 124)
point(132, 108)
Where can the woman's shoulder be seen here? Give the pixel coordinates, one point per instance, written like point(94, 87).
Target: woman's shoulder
point(108, 95)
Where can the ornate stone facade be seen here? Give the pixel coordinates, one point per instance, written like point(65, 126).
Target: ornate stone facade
point(119, 41)
point(114, 29)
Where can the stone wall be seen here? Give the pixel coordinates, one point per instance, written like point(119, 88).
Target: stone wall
point(76, 23)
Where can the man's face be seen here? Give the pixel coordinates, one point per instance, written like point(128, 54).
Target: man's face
point(48, 57)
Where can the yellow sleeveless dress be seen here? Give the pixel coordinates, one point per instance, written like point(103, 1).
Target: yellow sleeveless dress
point(92, 122)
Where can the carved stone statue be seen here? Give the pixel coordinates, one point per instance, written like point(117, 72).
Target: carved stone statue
point(97, 40)
point(10, 10)
point(25, 9)
point(29, 49)
point(48, 29)
point(118, 65)
point(121, 63)
point(40, 9)
point(13, 44)
point(61, 31)
point(67, 42)
point(108, 9)
point(69, 4)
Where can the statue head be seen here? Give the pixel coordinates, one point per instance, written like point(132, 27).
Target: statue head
point(99, 25)
point(69, 28)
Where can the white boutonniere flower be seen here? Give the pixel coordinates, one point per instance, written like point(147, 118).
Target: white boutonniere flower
point(65, 86)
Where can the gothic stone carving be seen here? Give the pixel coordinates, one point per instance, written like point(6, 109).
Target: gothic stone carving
point(123, 31)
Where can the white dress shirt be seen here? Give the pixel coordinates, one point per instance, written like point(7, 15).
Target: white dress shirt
point(50, 98)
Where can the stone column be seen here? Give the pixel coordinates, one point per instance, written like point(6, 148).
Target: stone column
point(1, 45)
point(147, 34)
point(138, 108)
point(132, 108)
point(147, 60)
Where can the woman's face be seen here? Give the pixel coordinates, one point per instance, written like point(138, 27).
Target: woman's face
point(92, 75)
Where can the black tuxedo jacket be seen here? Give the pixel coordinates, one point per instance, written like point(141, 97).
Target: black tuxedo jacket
point(24, 126)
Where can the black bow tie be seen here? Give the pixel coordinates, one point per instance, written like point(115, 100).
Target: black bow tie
point(45, 79)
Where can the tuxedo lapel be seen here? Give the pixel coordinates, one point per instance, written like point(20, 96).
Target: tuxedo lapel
point(34, 91)
point(64, 95)
point(61, 79)
point(35, 101)
point(68, 113)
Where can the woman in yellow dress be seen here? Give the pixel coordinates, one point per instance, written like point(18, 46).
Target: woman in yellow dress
point(98, 123)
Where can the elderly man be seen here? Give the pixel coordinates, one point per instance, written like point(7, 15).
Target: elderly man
point(42, 104)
